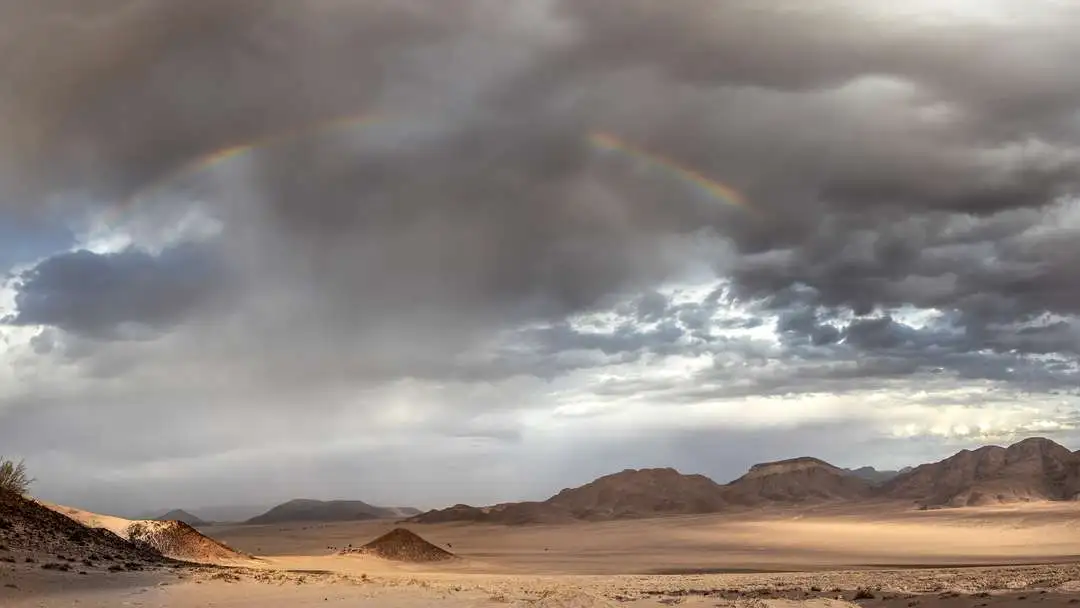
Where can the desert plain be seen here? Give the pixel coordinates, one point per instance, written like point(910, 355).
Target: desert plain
point(875, 554)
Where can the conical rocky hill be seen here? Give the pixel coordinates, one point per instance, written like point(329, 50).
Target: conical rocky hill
point(403, 545)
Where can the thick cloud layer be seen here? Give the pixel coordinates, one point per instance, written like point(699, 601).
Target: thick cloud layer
point(912, 176)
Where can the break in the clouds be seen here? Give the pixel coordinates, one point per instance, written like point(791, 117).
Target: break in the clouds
point(502, 233)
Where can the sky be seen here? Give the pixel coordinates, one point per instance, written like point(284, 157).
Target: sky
point(471, 251)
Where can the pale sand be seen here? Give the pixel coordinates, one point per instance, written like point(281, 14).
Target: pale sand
point(609, 563)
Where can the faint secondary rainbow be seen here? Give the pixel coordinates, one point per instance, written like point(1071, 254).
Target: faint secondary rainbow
point(223, 155)
point(714, 189)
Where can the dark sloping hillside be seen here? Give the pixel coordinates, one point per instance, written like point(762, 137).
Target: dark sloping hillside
point(27, 527)
point(795, 481)
point(303, 509)
point(1033, 469)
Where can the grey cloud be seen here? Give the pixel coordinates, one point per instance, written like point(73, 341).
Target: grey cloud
point(139, 87)
point(98, 294)
point(497, 208)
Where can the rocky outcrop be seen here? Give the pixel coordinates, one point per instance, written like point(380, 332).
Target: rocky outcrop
point(641, 493)
point(1031, 470)
point(795, 481)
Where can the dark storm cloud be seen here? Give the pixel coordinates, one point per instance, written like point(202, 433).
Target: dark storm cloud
point(139, 87)
point(96, 295)
point(843, 126)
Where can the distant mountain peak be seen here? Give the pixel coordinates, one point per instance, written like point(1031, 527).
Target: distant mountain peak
point(182, 516)
point(791, 465)
point(307, 509)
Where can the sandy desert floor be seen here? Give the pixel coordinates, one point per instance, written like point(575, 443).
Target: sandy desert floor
point(970, 558)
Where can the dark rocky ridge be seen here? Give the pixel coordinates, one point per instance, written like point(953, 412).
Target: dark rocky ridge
point(30, 529)
point(1033, 469)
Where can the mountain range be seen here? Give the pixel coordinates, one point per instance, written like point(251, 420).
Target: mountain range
point(1035, 469)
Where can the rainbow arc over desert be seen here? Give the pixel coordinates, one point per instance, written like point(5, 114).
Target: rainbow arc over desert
point(712, 188)
point(601, 140)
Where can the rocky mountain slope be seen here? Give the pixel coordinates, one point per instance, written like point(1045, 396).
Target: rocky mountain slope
point(795, 481)
point(303, 509)
point(1033, 469)
point(625, 495)
point(640, 493)
point(32, 533)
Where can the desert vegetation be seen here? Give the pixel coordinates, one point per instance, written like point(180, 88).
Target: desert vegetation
point(13, 476)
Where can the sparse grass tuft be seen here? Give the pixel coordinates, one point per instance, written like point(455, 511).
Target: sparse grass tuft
point(13, 477)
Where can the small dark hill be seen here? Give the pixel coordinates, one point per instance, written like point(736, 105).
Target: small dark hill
point(875, 476)
point(403, 545)
point(28, 528)
point(1032, 470)
point(510, 514)
point(183, 516)
point(795, 481)
point(458, 512)
point(302, 509)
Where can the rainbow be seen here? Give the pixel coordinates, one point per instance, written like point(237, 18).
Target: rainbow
point(712, 188)
point(223, 155)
